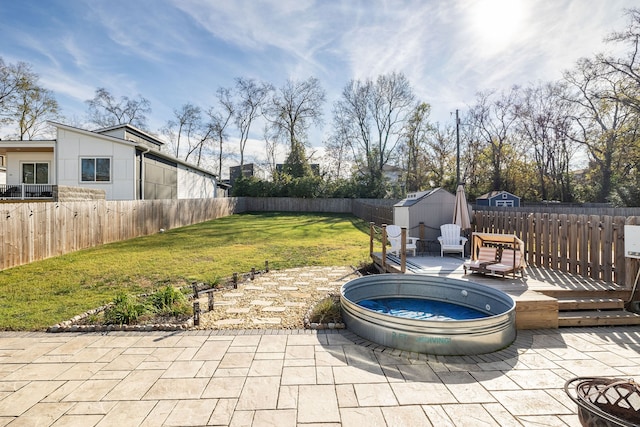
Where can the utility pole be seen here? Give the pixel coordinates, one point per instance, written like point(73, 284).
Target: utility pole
point(457, 149)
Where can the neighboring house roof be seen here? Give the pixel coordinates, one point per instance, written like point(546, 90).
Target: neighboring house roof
point(492, 194)
point(413, 198)
point(133, 134)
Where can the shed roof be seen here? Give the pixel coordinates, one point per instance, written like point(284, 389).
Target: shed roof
point(494, 193)
point(413, 198)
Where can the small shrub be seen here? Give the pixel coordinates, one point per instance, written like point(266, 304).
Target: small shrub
point(326, 310)
point(166, 297)
point(126, 310)
point(169, 301)
point(92, 319)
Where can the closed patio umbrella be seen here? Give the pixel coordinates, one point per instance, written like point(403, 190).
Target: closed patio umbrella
point(461, 210)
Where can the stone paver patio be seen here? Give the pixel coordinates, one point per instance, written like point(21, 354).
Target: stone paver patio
point(297, 378)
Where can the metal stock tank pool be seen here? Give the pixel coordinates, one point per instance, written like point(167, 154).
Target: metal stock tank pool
point(494, 330)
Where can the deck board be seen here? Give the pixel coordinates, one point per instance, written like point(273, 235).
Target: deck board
point(535, 294)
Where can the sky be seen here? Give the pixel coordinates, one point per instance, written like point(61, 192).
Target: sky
point(176, 51)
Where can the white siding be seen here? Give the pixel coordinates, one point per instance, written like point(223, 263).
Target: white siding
point(401, 218)
point(15, 159)
point(72, 146)
point(193, 184)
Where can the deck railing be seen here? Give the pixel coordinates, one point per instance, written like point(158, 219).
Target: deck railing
point(585, 245)
point(590, 246)
point(26, 191)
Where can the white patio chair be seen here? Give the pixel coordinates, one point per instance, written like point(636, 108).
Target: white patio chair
point(451, 240)
point(394, 237)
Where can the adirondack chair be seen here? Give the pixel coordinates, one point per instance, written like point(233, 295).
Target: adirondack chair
point(394, 237)
point(451, 240)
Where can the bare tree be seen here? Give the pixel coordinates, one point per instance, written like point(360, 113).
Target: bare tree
point(628, 67)
point(34, 106)
point(251, 97)
point(337, 155)
point(24, 102)
point(371, 118)
point(183, 128)
point(390, 103)
point(416, 133)
point(13, 77)
point(105, 110)
point(543, 124)
point(293, 108)
point(602, 122)
point(439, 155)
point(219, 120)
point(492, 117)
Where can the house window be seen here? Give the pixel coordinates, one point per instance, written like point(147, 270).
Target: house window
point(95, 169)
point(35, 173)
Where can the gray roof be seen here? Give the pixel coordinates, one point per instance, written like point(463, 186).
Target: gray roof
point(413, 198)
point(494, 193)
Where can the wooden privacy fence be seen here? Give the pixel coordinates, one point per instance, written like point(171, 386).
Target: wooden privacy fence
point(35, 231)
point(372, 210)
point(586, 245)
point(293, 204)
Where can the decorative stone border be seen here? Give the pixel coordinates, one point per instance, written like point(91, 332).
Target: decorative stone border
point(71, 326)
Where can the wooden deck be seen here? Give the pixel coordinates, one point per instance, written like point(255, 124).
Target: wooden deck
point(544, 298)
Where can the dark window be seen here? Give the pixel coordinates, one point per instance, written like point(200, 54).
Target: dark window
point(35, 173)
point(95, 170)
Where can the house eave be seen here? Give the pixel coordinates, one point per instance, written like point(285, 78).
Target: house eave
point(27, 146)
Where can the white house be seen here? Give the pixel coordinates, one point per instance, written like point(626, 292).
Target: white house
point(123, 161)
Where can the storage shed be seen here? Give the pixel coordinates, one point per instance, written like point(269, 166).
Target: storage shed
point(498, 198)
point(433, 208)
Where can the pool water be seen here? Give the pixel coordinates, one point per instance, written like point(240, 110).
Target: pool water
point(421, 308)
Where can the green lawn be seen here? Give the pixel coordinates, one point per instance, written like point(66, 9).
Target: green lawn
point(43, 293)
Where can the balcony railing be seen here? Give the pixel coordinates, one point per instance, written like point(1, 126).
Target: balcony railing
point(26, 192)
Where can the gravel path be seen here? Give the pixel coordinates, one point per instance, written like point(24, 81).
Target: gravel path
point(273, 300)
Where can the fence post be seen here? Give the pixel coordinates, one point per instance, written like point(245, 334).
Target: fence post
point(195, 289)
point(371, 234)
point(196, 313)
point(211, 300)
point(631, 264)
point(384, 247)
point(403, 249)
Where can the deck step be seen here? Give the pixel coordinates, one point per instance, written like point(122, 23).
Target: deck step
point(588, 293)
point(597, 318)
point(571, 304)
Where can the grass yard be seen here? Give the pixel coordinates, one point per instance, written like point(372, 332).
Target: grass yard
point(43, 293)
